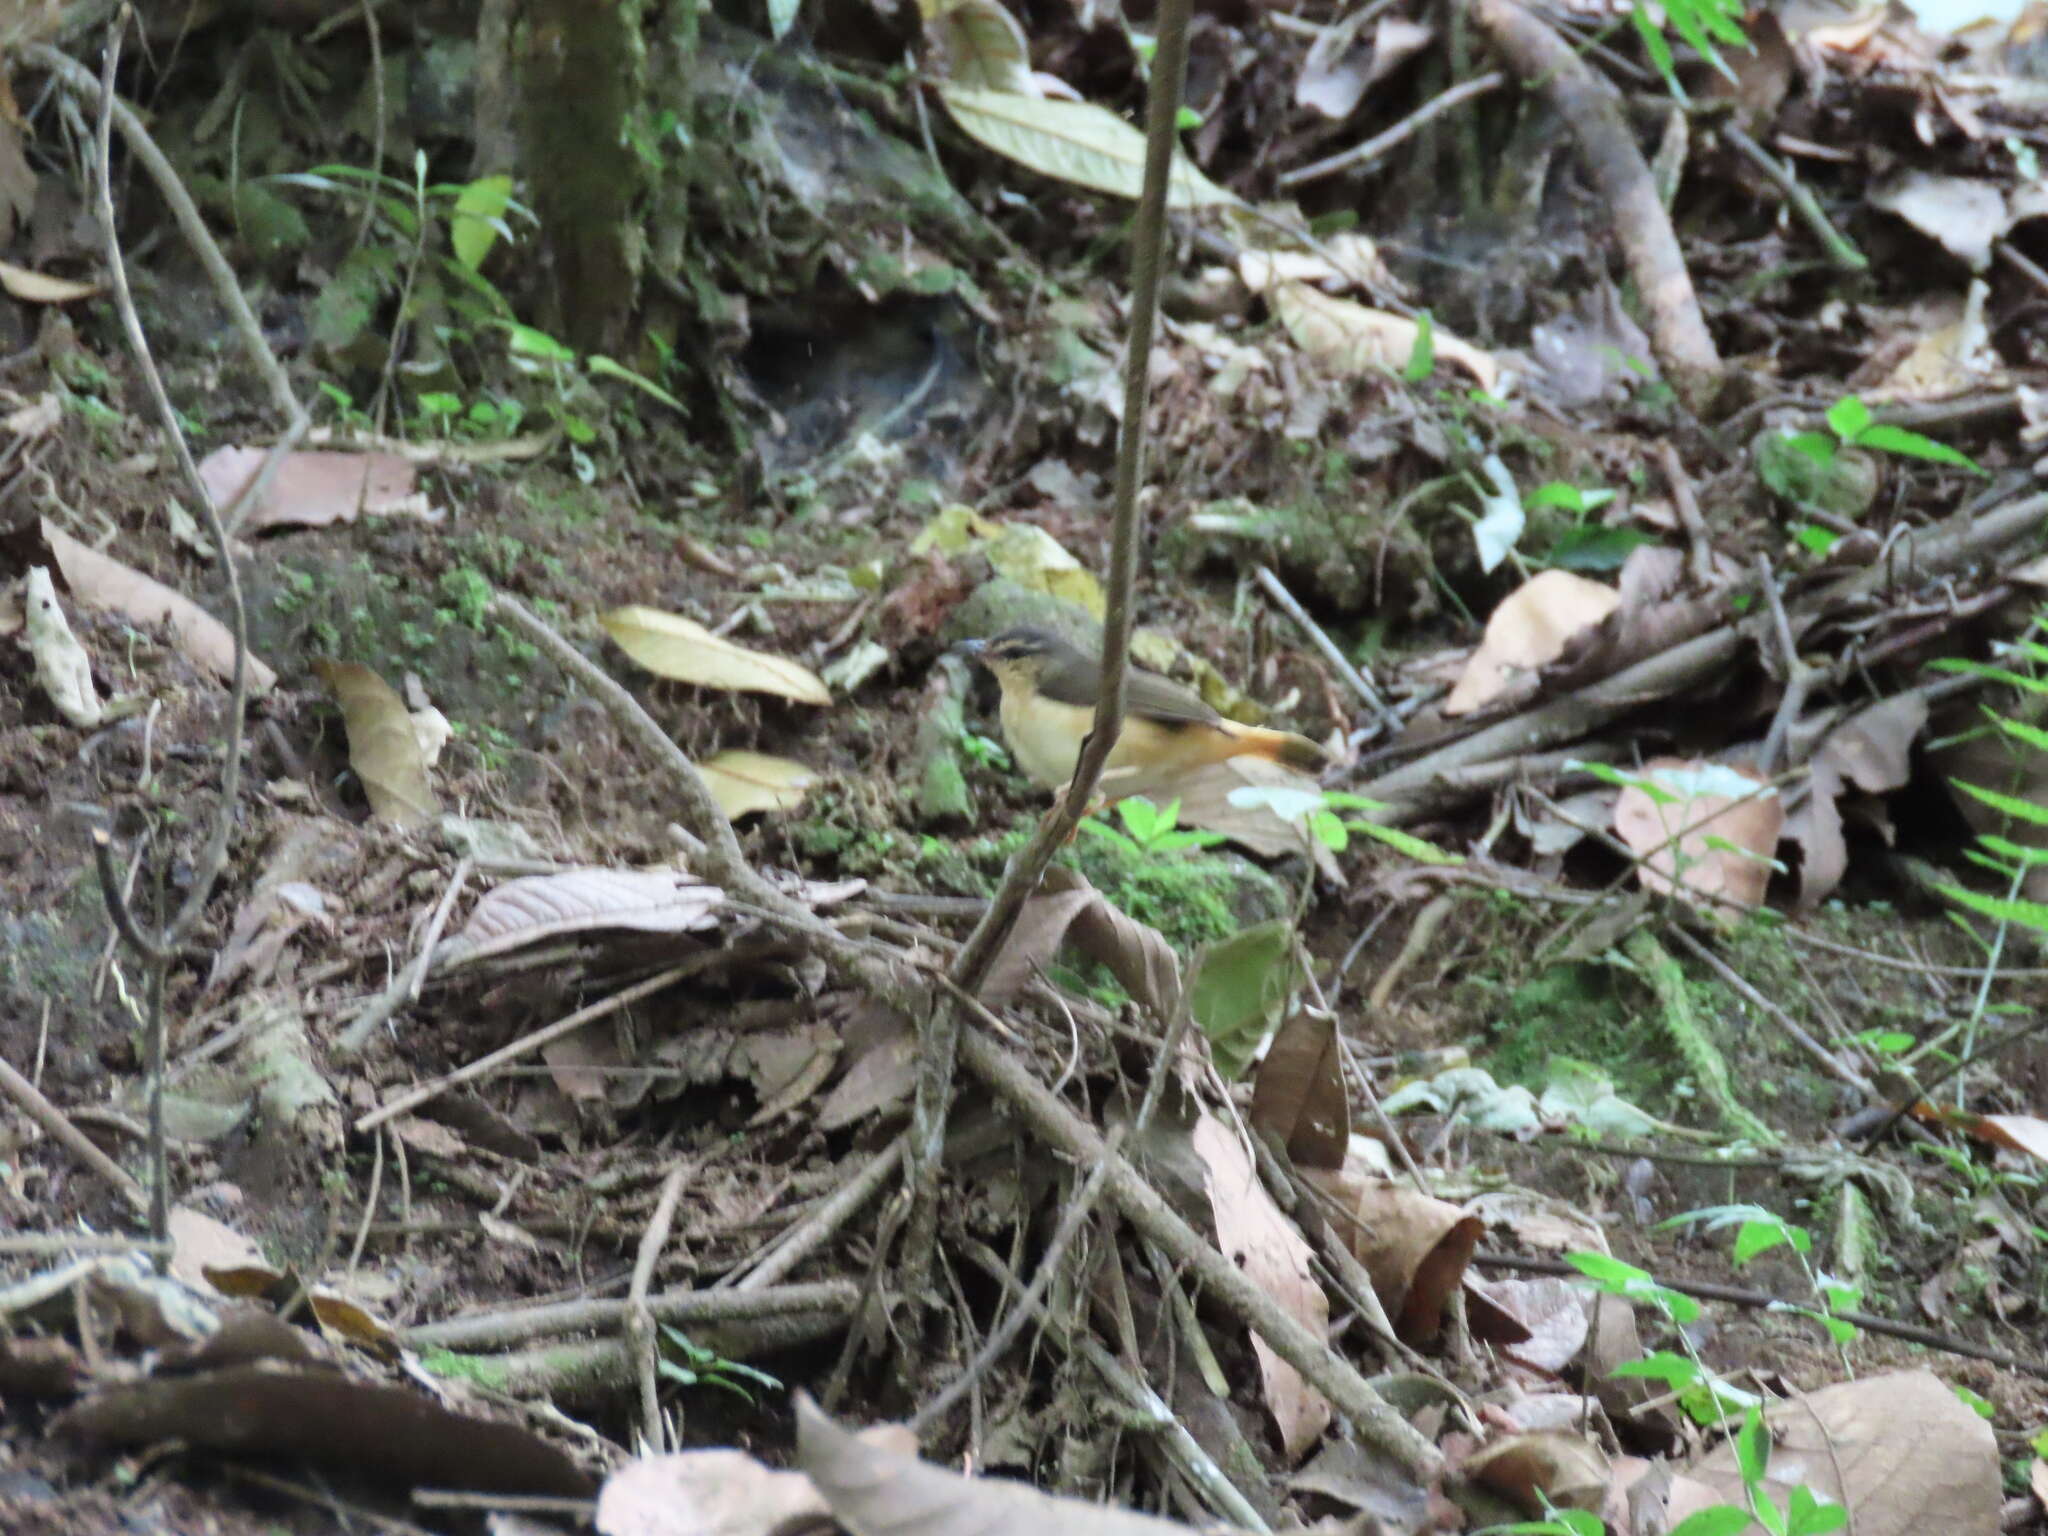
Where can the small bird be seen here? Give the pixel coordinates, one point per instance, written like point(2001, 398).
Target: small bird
point(1049, 691)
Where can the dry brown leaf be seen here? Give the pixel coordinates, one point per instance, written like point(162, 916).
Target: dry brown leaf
point(1555, 1318)
point(199, 1244)
point(1067, 908)
point(669, 645)
point(1204, 797)
point(1299, 1095)
point(706, 1493)
point(1274, 1256)
point(1415, 1248)
point(537, 907)
point(101, 582)
point(393, 1435)
point(745, 782)
point(2021, 1133)
point(879, 1488)
point(314, 488)
point(1901, 1452)
point(1533, 1470)
point(383, 748)
point(1354, 339)
point(1529, 629)
point(1676, 841)
point(41, 288)
point(1872, 750)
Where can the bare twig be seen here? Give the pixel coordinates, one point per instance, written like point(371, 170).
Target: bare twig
point(641, 1334)
point(1700, 551)
point(940, 1045)
point(525, 1045)
point(405, 986)
point(1400, 133)
point(689, 1309)
point(1842, 252)
point(817, 1228)
point(68, 1136)
point(1799, 677)
point(1285, 601)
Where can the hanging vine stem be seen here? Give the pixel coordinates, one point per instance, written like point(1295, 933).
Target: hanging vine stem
point(941, 1028)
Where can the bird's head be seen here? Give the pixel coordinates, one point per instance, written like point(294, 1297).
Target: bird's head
point(1016, 656)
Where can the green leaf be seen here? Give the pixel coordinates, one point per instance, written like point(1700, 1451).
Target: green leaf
point(1807, 1516)
point(479, 218)
point(1714, 1520)
point(1885, 438)
point(1848, 418)
point(1238, 987)
point(1815, 539)
point(1076, 142)
point(1418, 849)
point(1108, 834)
point(781, 17)
point(1674, 1370)
point(1328, 828)
point(1422, 355)
point(2012, 805)
point(2013, 853)
point(604, 367)
point(1658, 49)
point(1753, 1448)
point(2029, 735)
point(1597, 549)
point(1187, 118)
point(528, 342)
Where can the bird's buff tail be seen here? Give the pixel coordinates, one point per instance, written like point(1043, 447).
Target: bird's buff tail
point(1283, 747)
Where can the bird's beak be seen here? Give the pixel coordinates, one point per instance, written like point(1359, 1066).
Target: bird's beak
point(969, 649)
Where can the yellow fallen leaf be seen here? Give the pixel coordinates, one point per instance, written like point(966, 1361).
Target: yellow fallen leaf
point(1529, 629)
point(745, 782)
point(383, 746)
point(1359, 340)
point(33, 287)
point(669, 645)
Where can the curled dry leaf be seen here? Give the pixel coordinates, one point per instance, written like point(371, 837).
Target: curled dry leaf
point(1536, 1471)
point(745, 782)
point(1299, 1092)
point(1713, 836)
point(537, 907)
point(313, 488)
point(1354, 339)
point(1274, 1256)
point(1529, 629)
point(383, 746)
point(1871, 750)
point(1066, 909)
point(669, 645)
point(1415, 1248)
point(104, 583)
point(33, 287)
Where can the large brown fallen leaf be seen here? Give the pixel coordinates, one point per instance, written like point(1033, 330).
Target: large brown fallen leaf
point(1415, 1248)
point(669, 645)
point(313, 488)
point(1274, 1256)
point(1299, 1094)
point(389, 1435)
point(537, 907)
point(874, 1491)
point(1901, 1452)
point(1711, 837)
point(100, 581)
point(1067, 909)
point(1529, 629)
point(383, 747)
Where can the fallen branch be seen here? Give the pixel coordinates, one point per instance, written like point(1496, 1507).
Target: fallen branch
point(1608, 150)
